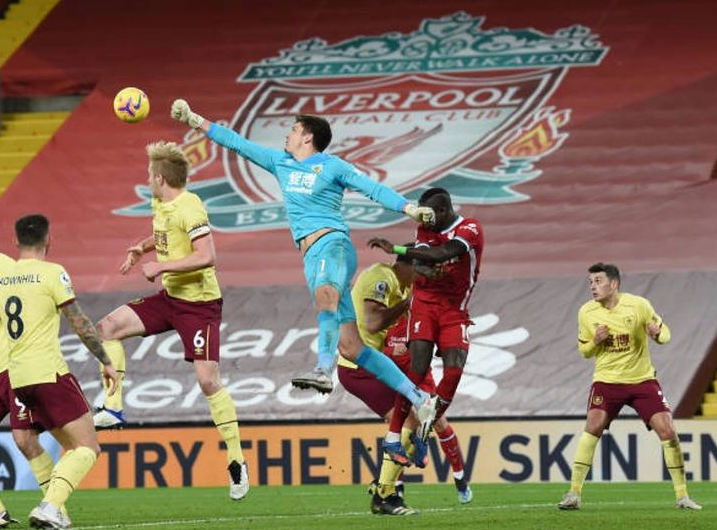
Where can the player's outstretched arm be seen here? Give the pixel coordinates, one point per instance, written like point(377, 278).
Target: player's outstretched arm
point(384, 244)
point(438, 254)
point(262, 156)
point(354, 179)
point(89, 336)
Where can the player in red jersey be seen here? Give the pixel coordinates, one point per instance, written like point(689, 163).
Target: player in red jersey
point(396, 347)
point(381, 294)
point(450, 250)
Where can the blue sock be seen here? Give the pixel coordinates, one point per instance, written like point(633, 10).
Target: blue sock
point(389, 374)
point(328, 339)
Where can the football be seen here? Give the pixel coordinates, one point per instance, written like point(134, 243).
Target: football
point(131, 105)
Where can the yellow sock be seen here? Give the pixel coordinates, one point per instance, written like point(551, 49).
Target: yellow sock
point(42, 469)
point(406, 442)
point(224, 415)
point(583, 461)
point(387, 478)
point(390, 471)
point(675, 466)
point(115, 351)
point(68, 473)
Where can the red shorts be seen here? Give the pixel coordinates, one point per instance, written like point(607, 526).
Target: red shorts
point(446, 327)
point(646, 398)
point(20, 417)
point(377, 396)
point(404, 363)
point(54, 405)
point(197, 323)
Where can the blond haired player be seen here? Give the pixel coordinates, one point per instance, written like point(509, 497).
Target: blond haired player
point(190, 303)
point(32, 293)
point(614, 328)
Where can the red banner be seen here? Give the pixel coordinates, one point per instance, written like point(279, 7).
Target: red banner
point(603, 160)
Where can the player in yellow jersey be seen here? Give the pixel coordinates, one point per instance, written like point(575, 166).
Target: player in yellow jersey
point(614, 328)
point(23, 431)
point(7, 397)
point(380, 295)
point(381, 298)
point(190, 302)
point(33, 291)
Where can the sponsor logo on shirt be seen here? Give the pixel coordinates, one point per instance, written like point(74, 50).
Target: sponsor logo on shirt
point(300, 182)
point(160, 243)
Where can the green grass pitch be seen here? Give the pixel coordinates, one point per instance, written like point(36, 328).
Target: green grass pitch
point(628, 506)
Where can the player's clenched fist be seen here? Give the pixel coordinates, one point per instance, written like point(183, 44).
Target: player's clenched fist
point(420, 214)
point(601, 333)
point(182, 112)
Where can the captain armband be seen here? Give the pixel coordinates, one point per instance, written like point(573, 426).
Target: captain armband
point(198, 231)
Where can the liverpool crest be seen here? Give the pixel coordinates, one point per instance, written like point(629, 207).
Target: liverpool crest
point(452, 104)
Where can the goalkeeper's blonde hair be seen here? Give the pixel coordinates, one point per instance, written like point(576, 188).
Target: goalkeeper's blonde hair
point(168, 159)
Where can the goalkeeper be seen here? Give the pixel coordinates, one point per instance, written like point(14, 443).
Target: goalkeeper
point(312, 185)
